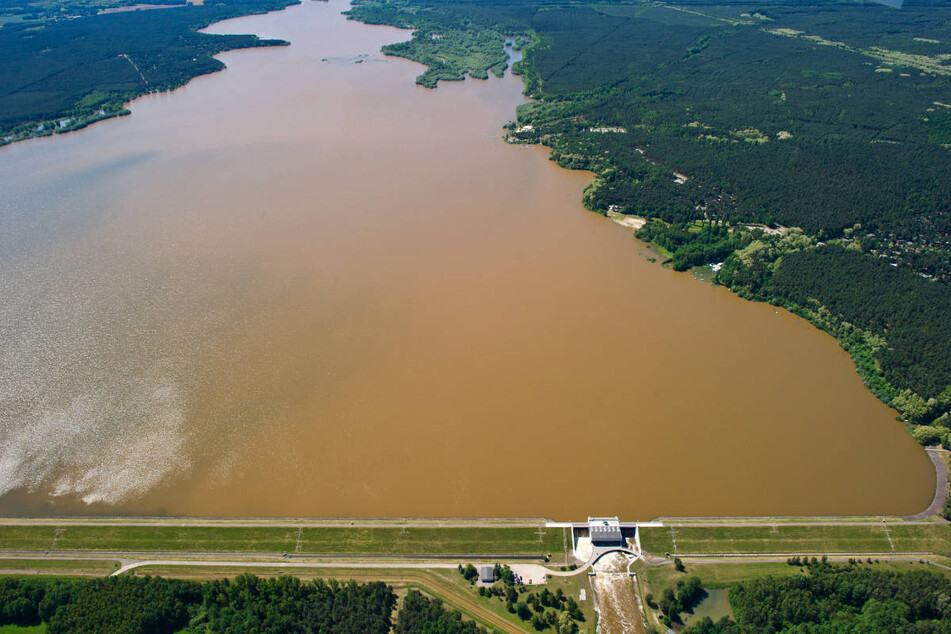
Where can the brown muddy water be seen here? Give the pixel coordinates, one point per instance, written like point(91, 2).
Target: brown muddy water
point(305, 286)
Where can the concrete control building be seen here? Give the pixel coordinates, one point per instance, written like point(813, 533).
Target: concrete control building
point(605, 531)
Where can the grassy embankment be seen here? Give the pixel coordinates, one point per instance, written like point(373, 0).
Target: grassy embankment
point(501, 541)
point(58, 567)
point(780, 539)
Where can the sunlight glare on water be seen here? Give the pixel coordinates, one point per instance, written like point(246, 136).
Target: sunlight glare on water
point(305, 286)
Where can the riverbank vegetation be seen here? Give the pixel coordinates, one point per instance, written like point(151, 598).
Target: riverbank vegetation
point(805, 149)
point(58, 75)
point(801, 594)
point(38, 11)
point(858, 597)
point(449, 44)
point(245, 604)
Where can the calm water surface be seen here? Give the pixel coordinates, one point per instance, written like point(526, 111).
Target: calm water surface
point(304, 286)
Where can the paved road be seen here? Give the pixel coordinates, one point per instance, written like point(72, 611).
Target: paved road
point(282, 522)
point(766, 522)
point(252, 556)
point(225, 563)
point(782, 558)
point(940, 489)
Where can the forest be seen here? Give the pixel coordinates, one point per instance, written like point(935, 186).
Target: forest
point(893, 322)
point(730, 124)
point(449, 45)
point(281, 605)
point(15, 11)
point(64, 74)
point(832, 599)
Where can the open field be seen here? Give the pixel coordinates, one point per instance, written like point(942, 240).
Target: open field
point(515, 541)
point(763, 539)
point(27, 537)
point(935, 538)
point(177, 539)
point(714, 575)
point(435, 541)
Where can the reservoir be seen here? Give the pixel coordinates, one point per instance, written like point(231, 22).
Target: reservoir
point(305, 286)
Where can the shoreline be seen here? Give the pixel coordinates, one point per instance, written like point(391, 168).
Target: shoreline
point(64, 123)
point(925, 517)
point(916, 498)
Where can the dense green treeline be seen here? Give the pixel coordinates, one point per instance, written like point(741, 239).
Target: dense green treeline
point(65, 74)
point(450, 45)
point(691, 246)
point(17, 11)
point(424, 615)
point(688, 593)
point(130, 604)
point(893, 322)
point(768, 128)
point(833, 599)
point(451, 54)
point(894, 303)
point(734, 108)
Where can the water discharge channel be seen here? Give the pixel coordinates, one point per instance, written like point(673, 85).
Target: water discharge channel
point(305, 286)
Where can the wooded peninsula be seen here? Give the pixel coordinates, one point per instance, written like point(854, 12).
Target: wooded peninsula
point(65, 65)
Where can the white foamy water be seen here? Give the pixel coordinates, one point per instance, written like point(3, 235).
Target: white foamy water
point(85, 409)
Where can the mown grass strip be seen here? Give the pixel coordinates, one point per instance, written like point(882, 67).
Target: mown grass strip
point(771, 539)
point(922, 538)
point(434, 541)
point(26, 537)
point(177, 539)
point(355, 540)
point(60, 566)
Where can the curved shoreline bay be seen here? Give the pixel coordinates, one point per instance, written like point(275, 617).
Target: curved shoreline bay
point(305, 286)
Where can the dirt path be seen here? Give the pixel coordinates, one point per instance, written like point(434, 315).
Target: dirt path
point(276, 522)
point(940, 489)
